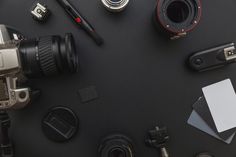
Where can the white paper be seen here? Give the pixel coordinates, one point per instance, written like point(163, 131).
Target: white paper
point(221, 99)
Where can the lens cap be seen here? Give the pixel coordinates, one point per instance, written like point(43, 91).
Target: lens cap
point(60, 124)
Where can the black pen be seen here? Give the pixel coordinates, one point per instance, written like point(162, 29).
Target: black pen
point(74, 13)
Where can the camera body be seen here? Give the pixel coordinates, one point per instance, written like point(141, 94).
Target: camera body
point(22, 58)
point(11, 71)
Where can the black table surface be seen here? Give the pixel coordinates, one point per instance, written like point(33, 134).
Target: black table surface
point(141, 78)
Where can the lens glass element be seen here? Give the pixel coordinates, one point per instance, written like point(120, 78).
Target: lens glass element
point(178, 11)
point(115, 1)
point(117, 152)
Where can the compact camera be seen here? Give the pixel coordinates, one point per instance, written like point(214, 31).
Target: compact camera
point(22, 58)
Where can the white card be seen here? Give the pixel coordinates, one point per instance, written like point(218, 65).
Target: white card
point(221, 99)
point(196, 121)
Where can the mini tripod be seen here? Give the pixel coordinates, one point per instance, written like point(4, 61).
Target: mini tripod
point(157, 138)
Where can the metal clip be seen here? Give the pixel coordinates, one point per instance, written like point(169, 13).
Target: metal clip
point(230, 53)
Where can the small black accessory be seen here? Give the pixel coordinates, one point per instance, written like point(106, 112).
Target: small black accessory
point(115, 5)
point(213, 58)
point(81, 21)
point(158, 138)
point(204, 155)
point(177, 17)
point(6, 147)
point(116, 146)
point(40, 12)
point(60, 124)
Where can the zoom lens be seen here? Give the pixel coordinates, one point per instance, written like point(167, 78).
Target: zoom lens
point(48, 55)
point(177, 17)
point(116, 146)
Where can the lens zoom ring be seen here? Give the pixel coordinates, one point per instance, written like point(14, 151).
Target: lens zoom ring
point(46, 57)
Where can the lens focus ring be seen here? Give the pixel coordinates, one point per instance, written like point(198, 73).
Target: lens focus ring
point(46, 57)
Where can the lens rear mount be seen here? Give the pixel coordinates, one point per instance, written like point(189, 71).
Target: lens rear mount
point(177, 17)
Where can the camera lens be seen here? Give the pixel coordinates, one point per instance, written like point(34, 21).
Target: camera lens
point(48, 55)
point(115, 5)
point(116, 146)
point(176, 18)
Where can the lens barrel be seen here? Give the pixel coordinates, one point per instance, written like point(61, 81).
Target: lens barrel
point(49, 55)
point(175, 18)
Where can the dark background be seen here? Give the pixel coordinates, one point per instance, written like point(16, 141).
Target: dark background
point(141, 78)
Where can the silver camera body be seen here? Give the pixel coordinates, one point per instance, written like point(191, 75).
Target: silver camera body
point(11, 97)
point(22, 58)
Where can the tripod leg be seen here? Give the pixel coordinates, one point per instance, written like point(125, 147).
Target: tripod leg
point(6, 147)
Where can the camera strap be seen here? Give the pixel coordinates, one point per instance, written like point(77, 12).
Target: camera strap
point(6, 147)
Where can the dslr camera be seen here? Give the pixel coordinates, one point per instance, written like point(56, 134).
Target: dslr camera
point(22, 58)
